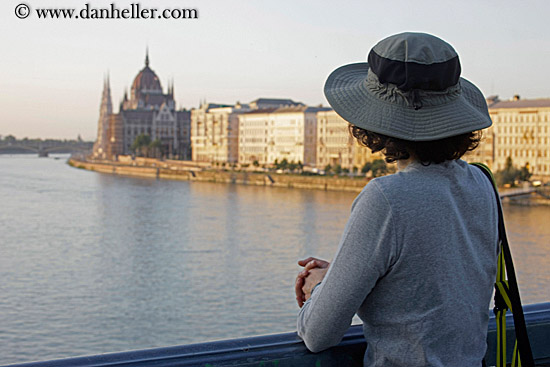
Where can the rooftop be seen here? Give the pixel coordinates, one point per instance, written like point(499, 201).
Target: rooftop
point(278, 101)
point(520, 103)
point(261, 111)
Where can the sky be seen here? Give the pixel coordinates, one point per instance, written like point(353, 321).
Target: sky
point(52, 71)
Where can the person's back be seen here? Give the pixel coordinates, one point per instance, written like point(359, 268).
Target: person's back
point(426, 309)
point(417, 259)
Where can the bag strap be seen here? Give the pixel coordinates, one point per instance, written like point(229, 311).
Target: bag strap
point(508, 291)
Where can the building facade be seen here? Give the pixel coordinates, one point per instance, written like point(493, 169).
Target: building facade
point(336, 146)
point(254, 135)
point(215, 128)
point(521, 131)
point(272, 135)
point(215, 132)
point(148, 111)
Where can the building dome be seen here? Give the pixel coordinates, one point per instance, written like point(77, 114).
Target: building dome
point(146, 81)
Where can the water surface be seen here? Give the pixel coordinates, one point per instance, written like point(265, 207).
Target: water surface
point(93, 263)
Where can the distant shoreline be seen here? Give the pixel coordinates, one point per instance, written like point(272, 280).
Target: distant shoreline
point(190, 171)
point(203, 172)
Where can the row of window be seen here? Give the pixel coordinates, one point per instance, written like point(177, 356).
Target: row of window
point(253, 149)
point(248, 123)
point(531, 117)
point(522, 153)
point(253, 140)
point(521, 129)
point(522, 140)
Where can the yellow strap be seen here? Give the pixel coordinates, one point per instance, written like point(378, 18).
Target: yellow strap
point(501, 314)
point(501, 267)
point(503, 290)
point(516, 360)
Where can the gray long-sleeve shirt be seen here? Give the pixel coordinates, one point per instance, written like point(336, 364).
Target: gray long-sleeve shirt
point(417, 263)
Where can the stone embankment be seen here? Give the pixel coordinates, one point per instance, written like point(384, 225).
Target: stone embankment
point(192, 171)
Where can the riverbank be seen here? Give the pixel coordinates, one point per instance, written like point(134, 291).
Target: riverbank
point(204, 172)
point(190, 171)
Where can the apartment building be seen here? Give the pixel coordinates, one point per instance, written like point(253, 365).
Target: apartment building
point(214, 132)
point(521, 131)
point(215, 128)
point(336, 146)
point(275, 134)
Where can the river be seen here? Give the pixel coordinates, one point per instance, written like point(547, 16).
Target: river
point(93, 263)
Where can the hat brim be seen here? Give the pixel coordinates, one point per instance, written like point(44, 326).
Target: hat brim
point(347, 93)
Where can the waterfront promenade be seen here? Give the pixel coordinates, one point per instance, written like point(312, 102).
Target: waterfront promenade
point(199, 171)
point(205, 172)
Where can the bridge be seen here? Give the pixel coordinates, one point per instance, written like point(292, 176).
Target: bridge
point(44, 148)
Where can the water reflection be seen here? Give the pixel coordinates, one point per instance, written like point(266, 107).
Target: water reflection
point(93, 263)
point(529, 236)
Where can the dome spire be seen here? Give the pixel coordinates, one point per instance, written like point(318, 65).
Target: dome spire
point(147, 56)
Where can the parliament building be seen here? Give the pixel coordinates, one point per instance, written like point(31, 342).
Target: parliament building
point(149, 111)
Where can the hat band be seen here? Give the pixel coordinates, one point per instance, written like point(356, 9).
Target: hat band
point(409, 75)
point(390, 93)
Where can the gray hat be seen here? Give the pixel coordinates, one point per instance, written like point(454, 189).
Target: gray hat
point(410, 89)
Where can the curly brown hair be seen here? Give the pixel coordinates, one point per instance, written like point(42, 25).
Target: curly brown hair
point(433, 151)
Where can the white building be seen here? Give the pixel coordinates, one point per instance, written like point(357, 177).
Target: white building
point(214, 132)
point(336, 145)
point(275, 134)
point(215, 128)
point(521, 131)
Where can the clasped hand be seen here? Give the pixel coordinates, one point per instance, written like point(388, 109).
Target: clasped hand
point(313, 273)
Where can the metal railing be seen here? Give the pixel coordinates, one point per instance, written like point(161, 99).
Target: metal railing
point(287, 350)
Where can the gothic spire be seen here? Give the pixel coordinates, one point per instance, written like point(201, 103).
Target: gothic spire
point(106, 104)
point(147, 56)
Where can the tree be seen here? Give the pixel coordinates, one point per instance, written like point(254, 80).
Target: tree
point(379, 168)
point(328, 168)
point(140, 146)
point(337, 169)
point(510, 174)
point(156, 148)
point(366, 167)
point(292, 166)
point(282, 165)
point(256, 163)
point(524, 174)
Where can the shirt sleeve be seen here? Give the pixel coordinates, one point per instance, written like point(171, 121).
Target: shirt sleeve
point(366, 252)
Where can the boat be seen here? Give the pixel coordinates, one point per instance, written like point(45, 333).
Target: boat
point(288, 350)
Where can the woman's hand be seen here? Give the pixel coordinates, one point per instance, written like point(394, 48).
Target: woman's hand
point(308, 264)
point(315, 277)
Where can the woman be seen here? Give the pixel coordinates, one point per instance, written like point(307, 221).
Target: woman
point(417, 259)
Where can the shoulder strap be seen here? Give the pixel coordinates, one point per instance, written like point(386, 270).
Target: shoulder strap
point(517, 310)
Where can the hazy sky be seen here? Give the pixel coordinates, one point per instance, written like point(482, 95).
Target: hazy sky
point(51, 71)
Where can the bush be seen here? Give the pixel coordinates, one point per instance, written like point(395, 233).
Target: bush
point(510, 174)
point(366, 167)
point(379, 168)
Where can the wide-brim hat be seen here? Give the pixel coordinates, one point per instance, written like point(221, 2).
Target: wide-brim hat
point(410, 88)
